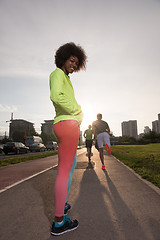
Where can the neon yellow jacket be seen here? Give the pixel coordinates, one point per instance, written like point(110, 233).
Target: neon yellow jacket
point(63, 98)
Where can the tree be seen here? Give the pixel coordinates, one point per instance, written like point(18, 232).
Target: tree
point(151, 137)
point(126, 140)
point(5, 139)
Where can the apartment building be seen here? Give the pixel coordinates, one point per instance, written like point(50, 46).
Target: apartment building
point(20, 125)
point(47, 127)
point(129, 128)
point(156, 125)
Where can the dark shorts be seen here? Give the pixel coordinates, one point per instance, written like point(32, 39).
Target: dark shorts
point(89, 143)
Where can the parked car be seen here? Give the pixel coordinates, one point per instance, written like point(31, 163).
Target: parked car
point(52, 145)
point(37, 147)
point(15, 147)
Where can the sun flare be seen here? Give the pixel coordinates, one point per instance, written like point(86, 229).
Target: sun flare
point(89, 116)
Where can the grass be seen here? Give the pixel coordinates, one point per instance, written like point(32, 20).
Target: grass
point(143, 159)
point(21, 158)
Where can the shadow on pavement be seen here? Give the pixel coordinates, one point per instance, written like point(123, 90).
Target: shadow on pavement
point(93, 214)
point(101, 210)
point(128, 224)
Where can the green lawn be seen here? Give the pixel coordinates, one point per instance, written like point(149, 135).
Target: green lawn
point(143, 159)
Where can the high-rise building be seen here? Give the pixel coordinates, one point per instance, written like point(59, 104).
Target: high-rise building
point(155, 126)
point(20, 125)
point(47, 127)
point(159, 121)
point(129, 128)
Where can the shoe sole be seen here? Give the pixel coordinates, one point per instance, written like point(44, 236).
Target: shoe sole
point(68, 230)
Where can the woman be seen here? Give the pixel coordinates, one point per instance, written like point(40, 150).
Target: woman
point(69, 58)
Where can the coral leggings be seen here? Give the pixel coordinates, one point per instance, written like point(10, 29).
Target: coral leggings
point(67, 133)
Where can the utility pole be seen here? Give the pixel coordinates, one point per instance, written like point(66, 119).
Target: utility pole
point(11, 118)
point(10, 122)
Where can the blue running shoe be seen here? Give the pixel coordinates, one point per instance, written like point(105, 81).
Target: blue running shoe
point(67, 226)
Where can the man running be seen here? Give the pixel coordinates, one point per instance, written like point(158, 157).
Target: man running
point(101, 131)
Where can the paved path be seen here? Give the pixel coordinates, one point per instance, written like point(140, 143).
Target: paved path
point(14, 173)
point(113, 204)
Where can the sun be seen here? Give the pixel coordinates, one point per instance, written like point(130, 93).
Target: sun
point(89, 116)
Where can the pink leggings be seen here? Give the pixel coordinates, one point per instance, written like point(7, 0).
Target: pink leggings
point(67, 133)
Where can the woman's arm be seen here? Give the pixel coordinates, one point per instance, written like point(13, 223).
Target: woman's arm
point(59, 96)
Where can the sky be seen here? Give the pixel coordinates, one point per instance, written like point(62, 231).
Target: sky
point(121, 39)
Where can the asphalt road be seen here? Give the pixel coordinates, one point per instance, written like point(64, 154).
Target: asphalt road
point(114, 204)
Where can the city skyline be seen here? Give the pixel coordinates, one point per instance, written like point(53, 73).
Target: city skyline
point(128, 128)
point(121, 39)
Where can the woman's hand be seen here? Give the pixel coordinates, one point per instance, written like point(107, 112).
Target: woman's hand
point(79, 113)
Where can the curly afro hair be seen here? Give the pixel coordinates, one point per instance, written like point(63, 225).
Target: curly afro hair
point(66, 51)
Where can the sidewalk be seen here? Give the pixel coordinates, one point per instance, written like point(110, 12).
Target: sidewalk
point(115, 204)
point(110, 205)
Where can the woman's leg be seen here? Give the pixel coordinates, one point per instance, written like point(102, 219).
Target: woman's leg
point(67, 133)
point(70, 176)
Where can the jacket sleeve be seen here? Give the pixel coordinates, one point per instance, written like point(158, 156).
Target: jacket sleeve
point(59, 96)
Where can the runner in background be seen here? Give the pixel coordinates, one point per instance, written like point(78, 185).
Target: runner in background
point(101, 132)
point(88, 135)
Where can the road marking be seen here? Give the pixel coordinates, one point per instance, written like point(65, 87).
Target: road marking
point(25, 179)
point(30, 177)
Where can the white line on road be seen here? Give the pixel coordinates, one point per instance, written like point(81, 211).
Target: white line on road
point(25, 179)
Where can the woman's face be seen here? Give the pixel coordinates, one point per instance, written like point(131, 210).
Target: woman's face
point(70, 65)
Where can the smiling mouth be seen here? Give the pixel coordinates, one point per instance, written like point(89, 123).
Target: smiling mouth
point(72, 68)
